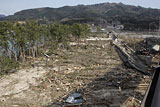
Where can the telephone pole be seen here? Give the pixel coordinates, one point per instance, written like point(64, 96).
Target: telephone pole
point(159, 28)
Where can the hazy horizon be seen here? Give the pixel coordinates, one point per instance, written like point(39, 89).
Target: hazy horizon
point(8, 8)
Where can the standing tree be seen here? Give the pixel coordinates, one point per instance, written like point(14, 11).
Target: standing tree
point(5, 30)
point(59, 33)
point(86, 29)
point(79, 30)
point(33, 32)
point(44, 35)
point(20, 41)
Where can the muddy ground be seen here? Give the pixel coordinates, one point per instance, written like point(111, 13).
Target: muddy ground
point(93, 69)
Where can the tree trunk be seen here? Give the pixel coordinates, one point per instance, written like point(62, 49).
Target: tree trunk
point(15, 56)
point(29, 52)
point(9, 53)
point(21, 54)
point(78, 40)
point(34, 52)
point(24, 59)
point(33, 55)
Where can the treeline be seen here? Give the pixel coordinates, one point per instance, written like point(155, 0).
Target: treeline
point(140, 24)
point(20, 40)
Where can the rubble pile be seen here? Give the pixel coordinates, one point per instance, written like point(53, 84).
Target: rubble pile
point(91, 75)
point(101, 79)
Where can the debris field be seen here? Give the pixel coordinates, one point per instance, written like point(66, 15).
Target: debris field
point(93, 69)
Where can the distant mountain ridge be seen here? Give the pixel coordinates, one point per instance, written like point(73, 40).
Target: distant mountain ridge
point(104, 11)
point(2, 15)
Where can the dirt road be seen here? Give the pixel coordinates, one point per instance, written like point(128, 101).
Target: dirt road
point(16, 85)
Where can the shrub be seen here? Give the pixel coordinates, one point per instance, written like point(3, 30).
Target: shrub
point(6, 65)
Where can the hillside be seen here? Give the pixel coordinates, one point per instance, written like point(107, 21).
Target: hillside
point(126, 14)
point(1, 15)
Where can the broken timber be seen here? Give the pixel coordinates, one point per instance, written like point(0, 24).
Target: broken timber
point(129, 58)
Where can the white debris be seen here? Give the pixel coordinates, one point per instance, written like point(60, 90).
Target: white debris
point(97, 38)
point(156, 47)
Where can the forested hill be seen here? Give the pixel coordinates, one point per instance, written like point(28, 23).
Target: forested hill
point(1, 15)
point(104, 11)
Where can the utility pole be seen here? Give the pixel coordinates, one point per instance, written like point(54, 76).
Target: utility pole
point(159, 28)
point(149, 28)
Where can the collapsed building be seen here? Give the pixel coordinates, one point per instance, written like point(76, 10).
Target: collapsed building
point(141, 60)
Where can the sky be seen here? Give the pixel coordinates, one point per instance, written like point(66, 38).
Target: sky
point(9, 7)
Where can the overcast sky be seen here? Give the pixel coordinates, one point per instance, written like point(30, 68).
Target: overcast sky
point(9, 7)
